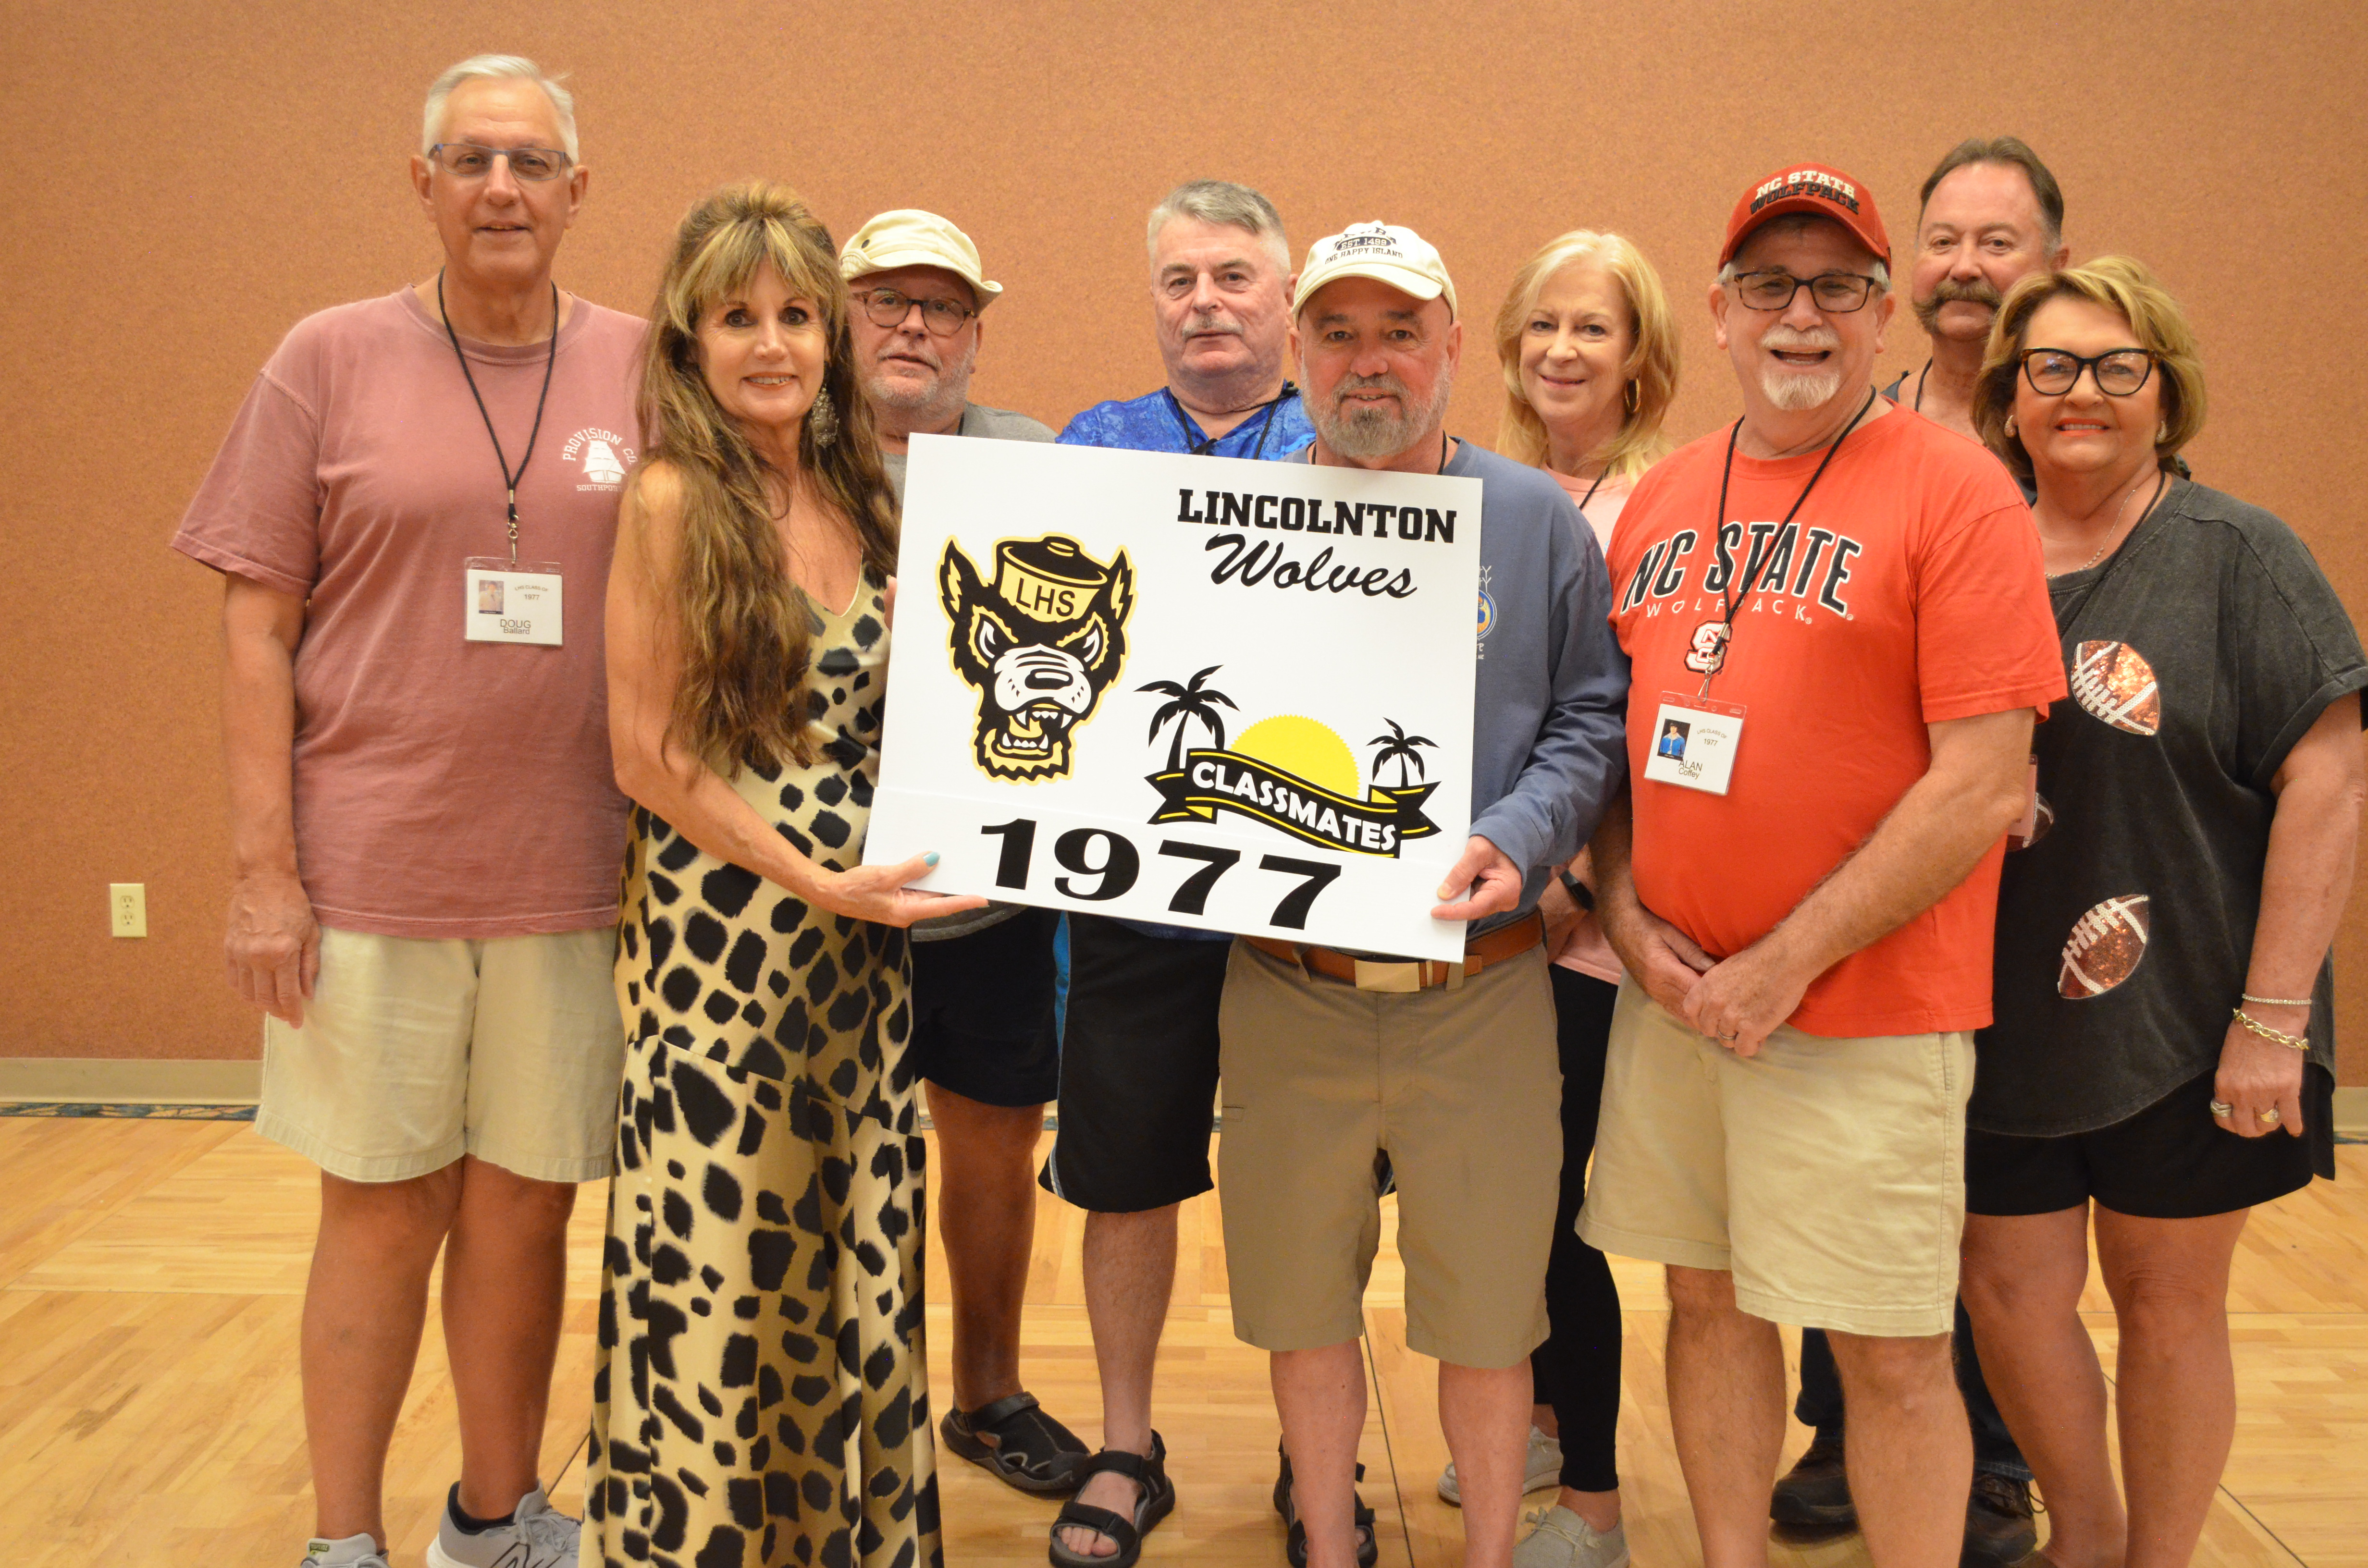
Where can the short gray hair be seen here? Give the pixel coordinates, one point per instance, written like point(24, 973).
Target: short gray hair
point(1222, 202)
point(1728, 274)
point(498, 68)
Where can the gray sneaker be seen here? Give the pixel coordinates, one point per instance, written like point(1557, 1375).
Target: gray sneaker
point(1543, 1468)
point(1562, 1540)
point(354, 1552)
point(536, 1536)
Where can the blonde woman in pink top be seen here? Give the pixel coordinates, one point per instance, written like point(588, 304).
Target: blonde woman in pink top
point(1590, 357)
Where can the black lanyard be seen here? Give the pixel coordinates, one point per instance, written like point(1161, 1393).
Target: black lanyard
point(1204, 445)
point(1718, 524)
point(509, 479)
point(1598, 483)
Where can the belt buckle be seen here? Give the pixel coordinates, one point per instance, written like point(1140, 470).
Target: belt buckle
point(1396, 977)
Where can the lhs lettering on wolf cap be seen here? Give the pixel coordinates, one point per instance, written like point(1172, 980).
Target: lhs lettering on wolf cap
point(1814, 188)
point(1399, 258)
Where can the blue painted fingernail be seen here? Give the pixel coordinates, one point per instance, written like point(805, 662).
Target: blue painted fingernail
point(931, 858)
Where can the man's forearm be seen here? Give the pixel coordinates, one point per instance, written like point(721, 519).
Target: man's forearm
point(258, 741)
point(1928, 842)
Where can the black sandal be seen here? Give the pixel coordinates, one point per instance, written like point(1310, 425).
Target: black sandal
point(1016, 1442)
point(1157, 1501)
point(1294, 1541)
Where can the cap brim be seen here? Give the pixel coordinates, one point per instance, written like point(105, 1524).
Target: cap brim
point(888, 261)
point(1404, 279)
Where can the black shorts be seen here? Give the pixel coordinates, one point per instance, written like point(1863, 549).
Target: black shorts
point(1139, 1068)
point(2171, 1160)
point(982, 1012)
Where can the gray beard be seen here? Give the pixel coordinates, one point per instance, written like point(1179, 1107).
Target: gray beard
point(1369, 433)
point(1795, 393)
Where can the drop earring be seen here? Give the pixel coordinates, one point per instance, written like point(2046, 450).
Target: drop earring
point(823, 418)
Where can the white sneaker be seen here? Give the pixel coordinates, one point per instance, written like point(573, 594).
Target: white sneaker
point(536, 1536)
point(1543, 1468)
point(1562, 1540)
point(354, 1552)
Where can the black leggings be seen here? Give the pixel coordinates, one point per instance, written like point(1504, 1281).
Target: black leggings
point(1576, 1371)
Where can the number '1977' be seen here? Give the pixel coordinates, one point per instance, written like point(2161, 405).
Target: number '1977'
point(1106, 865)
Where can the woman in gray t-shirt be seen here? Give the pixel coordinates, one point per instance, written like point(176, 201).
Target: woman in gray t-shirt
point(2163, 1046)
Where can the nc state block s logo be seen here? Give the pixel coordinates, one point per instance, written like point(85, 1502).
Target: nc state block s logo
point(1040, 643)
point(1707, 651)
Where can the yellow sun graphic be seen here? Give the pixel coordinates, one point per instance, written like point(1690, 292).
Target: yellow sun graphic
point(1299, 745)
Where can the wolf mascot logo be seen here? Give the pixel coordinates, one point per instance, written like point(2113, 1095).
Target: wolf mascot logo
point(1042, 643)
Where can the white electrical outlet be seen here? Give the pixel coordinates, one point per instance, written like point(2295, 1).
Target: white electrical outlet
point(127, 908)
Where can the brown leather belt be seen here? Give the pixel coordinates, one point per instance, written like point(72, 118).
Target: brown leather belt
point(1370, 974)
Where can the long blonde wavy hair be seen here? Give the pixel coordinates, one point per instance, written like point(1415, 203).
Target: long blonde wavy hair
point(744, 624)
point(1651, 370)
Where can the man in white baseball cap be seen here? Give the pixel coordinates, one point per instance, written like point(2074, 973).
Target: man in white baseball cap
point(1331, 1059)
point(920, 294)
point(985, 1036)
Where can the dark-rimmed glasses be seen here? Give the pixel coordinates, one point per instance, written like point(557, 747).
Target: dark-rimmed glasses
point(2052, 372)
point(467, 160)
point(1836, 293)
point(888, 307)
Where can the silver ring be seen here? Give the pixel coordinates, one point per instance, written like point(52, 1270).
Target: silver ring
point(1729, 1037)
point(2270, 1118)
point(2222, 1108)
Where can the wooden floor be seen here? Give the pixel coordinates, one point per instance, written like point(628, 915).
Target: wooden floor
point(151, 1274)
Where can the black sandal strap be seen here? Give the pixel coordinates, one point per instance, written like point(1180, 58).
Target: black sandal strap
point(999, 1412)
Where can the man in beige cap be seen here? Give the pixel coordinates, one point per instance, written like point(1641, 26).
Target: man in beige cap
point(1332, 1061)
point(985, 1037)
point(920, 297)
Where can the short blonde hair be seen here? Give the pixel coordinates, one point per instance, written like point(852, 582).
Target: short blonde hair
point(2120, 284)
point(1651, 368)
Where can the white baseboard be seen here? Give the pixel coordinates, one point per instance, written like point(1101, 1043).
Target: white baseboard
point(2352, 1112)
point(84, 1080)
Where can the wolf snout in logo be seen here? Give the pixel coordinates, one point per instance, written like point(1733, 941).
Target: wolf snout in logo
point(1042, 642)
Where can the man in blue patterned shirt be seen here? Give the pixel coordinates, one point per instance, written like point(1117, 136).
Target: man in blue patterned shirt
point(1139, 1051)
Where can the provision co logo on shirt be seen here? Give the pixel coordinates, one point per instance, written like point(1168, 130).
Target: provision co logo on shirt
point(603, 455)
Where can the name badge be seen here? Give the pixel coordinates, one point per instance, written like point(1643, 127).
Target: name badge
point(511, 603)
point(1694, 739)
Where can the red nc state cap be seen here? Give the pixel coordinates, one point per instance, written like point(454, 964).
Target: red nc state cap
point(1812, 189)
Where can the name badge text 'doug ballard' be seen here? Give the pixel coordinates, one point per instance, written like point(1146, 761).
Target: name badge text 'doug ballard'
point(1196, 691)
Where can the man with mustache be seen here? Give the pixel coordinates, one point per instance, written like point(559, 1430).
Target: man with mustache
point(985, 1036)
point(1139, 1051)
point(1332, 1060)
point(1845, 605)
point(1992, 216)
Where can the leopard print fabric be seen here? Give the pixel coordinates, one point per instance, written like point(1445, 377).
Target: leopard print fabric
point(760, 1394)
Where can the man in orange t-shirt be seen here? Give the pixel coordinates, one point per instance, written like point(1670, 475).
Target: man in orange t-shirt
point(1845, 609)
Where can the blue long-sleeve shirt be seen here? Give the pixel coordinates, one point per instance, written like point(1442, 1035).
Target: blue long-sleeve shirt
point(1549, 709)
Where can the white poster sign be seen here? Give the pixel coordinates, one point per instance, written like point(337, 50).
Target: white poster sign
point(1197, 691)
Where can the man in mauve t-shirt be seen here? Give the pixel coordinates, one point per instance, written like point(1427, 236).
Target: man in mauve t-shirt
point(1844, 607)
point(412, 515)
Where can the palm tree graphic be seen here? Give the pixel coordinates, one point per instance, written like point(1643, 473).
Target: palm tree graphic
point(1399, 747)
point(1191, 702)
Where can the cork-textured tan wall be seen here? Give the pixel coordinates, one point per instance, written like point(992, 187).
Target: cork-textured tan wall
point(185, 181)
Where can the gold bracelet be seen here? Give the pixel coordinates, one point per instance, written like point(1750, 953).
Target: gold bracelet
point(2273, 1001)
point(2259, 1028)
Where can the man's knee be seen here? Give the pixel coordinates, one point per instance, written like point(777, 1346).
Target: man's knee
point(1905, 1370)
point(416, 1211)
point(519, 1199)
point(1697, 1294)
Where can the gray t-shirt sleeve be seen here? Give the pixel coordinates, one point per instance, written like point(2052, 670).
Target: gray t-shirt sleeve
point(2301, 653)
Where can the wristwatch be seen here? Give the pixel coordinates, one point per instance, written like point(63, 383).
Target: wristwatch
point(1576, 889)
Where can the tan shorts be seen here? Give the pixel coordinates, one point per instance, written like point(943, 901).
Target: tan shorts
point(416, 1051)
point(1461, 1088)
point(1829, 1176)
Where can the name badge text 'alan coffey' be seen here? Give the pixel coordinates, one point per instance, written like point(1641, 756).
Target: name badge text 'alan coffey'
point(1204, 692)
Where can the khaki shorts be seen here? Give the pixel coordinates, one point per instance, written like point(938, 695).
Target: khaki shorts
point(1829, 1176)
point(416, 1051)
point(1463, 1091)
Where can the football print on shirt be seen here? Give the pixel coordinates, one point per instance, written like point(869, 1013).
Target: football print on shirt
point(2114, 683)
point(2105, 948)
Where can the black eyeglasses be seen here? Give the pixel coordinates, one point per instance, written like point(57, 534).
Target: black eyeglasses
point(467, 160)
point(2052, 372)
point(886, 307)
point(1838, 293)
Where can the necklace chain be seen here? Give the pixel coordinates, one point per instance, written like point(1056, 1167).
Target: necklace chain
point(2106, 542)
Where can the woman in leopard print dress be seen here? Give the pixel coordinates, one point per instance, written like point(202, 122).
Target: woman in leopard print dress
point(760, 1397)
